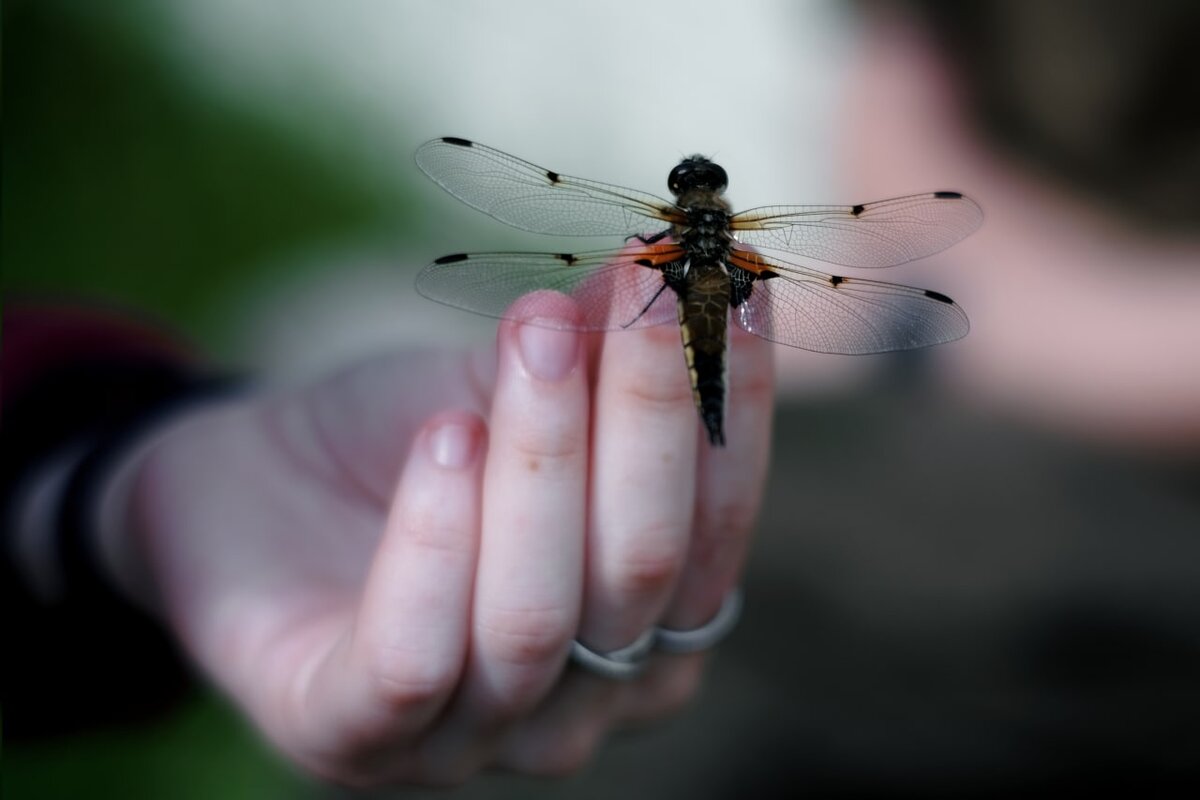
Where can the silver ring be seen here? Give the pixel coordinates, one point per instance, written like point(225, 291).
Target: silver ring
point(622, 665)
point(670, 640)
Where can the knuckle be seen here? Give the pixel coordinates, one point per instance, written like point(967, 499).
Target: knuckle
point(709, 551)
point(549, 447)
point(647, 569)
point(526, 637)
point(429, 533)
point(659, 394)
point(753, 387)
point(401, 681)
point(723, 526)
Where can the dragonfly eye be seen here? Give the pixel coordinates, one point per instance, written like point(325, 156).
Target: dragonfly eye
point(697, 172)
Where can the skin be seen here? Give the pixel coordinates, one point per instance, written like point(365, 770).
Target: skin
point(385, 570)
point(1081, 322)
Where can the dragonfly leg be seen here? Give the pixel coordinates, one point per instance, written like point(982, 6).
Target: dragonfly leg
point(646, 308)
point(658, 237)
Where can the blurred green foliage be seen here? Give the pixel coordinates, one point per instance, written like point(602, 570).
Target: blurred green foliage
point(125, 182)
point(204, 750)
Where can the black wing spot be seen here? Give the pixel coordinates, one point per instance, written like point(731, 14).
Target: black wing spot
point(948, 195)
point(766, 273)
point(457, 141)
point(552, 175)
point(834, 280)
point(644, 262)
point(856, 210)
point(941, 298)
point(451, 259)
point(567, 257)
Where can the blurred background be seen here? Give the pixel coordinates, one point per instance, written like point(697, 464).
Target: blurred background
point(978, 570)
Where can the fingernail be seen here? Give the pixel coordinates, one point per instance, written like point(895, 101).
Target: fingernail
point(548, 354)
point(453, 445)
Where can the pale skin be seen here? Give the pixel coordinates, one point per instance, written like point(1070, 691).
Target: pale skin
point(1080, 321)
point(385, 570)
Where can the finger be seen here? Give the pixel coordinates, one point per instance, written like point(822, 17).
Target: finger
point(561, 736)
point(407, 653)
point(664, 689)
point(729, 486)
point(565, 731)
point(527, 592)
point(645, 438)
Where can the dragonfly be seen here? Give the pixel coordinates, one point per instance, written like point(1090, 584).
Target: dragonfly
point(692, 261)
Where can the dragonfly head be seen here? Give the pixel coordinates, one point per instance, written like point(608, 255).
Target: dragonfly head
point(697, 172)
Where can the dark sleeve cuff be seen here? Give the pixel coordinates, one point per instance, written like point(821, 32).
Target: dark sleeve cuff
point(90, 381)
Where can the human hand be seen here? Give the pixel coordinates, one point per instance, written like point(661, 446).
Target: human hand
point(389, 585)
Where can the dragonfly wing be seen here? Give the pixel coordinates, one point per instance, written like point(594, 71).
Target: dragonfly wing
point(536, 199)
point(880, 234)
point(803, 308)
point(612, 290)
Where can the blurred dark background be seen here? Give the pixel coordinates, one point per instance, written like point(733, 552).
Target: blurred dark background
point(1092, 93)
point(950, 594)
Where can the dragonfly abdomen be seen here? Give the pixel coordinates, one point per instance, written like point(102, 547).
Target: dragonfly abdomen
point(703, 317)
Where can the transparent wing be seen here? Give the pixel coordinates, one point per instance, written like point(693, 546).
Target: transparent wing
point(804, 308)
point(880, 234)
point(535, 199)
point(614, 289)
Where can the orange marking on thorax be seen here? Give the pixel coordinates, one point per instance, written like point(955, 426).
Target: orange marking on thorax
point(751, 262)
point(659, 254)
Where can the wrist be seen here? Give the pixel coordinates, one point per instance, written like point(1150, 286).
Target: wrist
point(117, 534)
point(100, 542)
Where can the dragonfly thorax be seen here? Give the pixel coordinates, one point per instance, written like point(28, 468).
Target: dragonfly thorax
point(706, 234)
